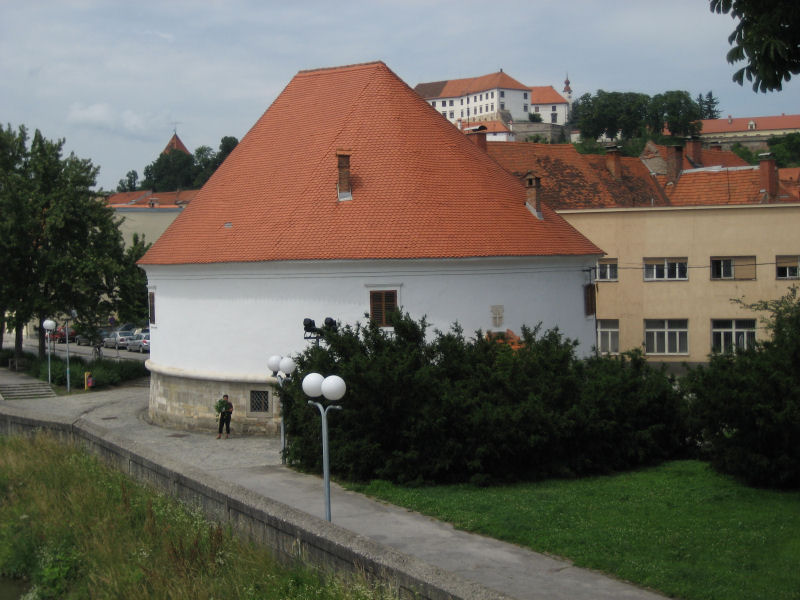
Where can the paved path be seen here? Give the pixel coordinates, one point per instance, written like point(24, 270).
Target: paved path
point(254, 463)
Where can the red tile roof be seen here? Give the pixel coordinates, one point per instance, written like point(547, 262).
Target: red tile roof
point(713, 186)
point(490, 126)
point(742, 124)
point(175, 143)
point(420, 188)
point(655, 156)
point(143, 198)
point(453, 88)
point(570, 180)
point(546, 94)
point(790, 180)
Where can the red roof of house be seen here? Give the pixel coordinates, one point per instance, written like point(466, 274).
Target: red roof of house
point(420, 188)
point(489, 126)
point(742, 124)
point(175, 143)
point(146, 197)
point(712, 186)
point(546, 94)
point(790, 180)
point(709, 157)
point(570, 180)
point(453, 88)
point(127, 198)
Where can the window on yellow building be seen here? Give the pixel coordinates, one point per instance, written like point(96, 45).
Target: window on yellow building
point(730, 335)
point(608, 336)
point(733, 267)
point(666, 336)
point(607, 269)
point(657, 269)
point(787, 267)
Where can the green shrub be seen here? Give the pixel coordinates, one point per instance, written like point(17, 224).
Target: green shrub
point(452, 409)
point(745, 408)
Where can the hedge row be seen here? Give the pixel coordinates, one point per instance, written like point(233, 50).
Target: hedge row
point(452, 409)
point(105, 372)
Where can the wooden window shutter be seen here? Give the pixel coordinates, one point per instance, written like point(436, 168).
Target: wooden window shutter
point(381, 304)
point(589, 299)
point(744, 267)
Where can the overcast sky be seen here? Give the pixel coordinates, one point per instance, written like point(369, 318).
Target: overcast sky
point(116, 78)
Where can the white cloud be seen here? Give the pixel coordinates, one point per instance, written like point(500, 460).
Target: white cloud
point(100, 116)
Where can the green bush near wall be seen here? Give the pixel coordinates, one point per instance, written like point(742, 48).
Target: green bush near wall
point(105, 372)
point(445, 408)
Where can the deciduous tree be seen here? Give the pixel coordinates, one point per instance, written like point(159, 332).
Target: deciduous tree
point(767, 38)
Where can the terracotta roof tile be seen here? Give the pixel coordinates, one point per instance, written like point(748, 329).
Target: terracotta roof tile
point(570, 180)
point(420, 188)
point(175, 143)
point(145, 197)
point(491, 126)
point(712, 186)
point(731, 125)
point(453, 88)
point(546, 94)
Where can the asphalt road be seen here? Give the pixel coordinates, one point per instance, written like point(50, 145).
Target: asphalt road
point(60, 350)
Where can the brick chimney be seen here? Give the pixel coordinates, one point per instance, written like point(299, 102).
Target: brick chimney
point(343, 184)
point(613, 163)
point(769, 175)
point(694, 148)
point(532, 199)
point(478, 137)
point(674, 163)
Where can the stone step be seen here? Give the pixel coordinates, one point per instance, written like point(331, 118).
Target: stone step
point(24, 391)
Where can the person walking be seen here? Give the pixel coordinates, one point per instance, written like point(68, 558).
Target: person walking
point(225, 417)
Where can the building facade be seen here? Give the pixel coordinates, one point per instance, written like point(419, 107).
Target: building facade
point(347, 219)
point(493, 97)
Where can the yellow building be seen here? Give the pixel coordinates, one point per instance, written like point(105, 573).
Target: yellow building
point(680, 245)
point(671, 272)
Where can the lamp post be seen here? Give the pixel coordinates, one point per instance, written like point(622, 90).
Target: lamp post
point(282, 368)
point(48, 325)
point(332, 388)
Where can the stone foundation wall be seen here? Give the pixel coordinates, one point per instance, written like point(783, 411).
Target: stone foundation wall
point(186, 401)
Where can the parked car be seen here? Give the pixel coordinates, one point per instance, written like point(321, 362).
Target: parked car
point(139, 343)
point(117, 339)
point(60, 337)
point(83, 339)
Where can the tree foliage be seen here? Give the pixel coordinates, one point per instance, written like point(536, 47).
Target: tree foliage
point(62, 250)
point(746, 407)
point(451, 409)
point(176, 170)
point(630, 115)
point(786, 150)
point(767, 38)
point(709, 105)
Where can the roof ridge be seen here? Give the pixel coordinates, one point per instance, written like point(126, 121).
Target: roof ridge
point(342, 67)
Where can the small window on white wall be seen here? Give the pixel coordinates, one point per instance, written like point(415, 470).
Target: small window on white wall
point(381, 304)
point(151, 305)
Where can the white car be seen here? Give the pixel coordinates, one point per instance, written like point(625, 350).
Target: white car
point(139, 343)
point(118, 339)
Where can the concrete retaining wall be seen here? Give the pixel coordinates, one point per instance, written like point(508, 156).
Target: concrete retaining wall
point(291, 534)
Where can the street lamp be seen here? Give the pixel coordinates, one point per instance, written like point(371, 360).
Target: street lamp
point(49, 325)
point(282, 368)
point(333, 388)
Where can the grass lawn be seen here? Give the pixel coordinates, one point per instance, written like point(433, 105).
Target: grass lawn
point(679, 528)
